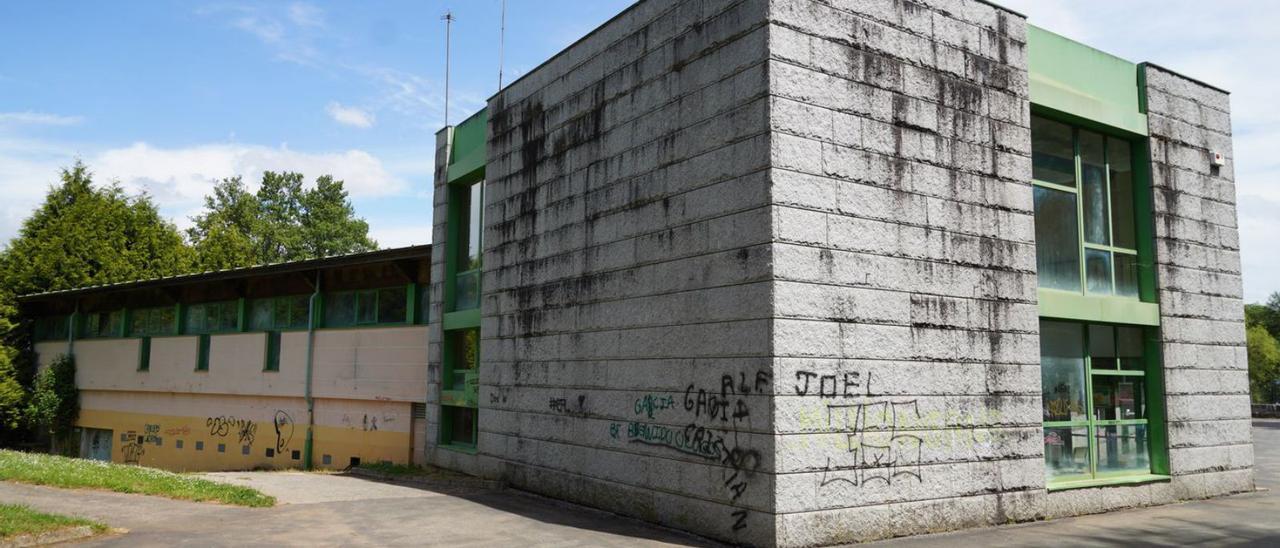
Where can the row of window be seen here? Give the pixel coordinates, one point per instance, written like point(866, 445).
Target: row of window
point(385, 306)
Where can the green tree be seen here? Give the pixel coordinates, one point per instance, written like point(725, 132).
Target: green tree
point(55, 402)
point(281, 222)
point(13, 395)
point(1264, 361)
point(88, 235)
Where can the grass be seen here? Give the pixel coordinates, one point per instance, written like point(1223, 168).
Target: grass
point(72, 473)
point(20, 520)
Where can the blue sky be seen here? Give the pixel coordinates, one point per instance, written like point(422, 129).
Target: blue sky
point(168, 96)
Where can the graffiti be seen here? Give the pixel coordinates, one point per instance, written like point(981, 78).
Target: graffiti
point(179, 431)
point(562, 405)
point(244, 429)
point(718, 414)
point(151, 434)
point(653, 402)
point(845, 385)
point(499, 395)
point(876, 449)
point(370, 425)
point(131, 447)
point(284, 429)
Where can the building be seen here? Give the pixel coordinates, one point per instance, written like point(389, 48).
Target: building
point(803, 272)
point(314, 363)
point(777, 272)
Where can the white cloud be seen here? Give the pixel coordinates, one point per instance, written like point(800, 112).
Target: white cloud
point(178, 178)
point(350, 116)
point(306, 15)
point(401, 236)
point(38, 119)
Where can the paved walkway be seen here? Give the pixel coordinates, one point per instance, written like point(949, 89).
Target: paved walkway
point(320, 509)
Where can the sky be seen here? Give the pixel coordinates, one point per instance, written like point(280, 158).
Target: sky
point(168, 97)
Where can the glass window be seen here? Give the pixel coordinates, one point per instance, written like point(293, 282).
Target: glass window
point(393, 306)
point(466, 283)
point(1095, 401)
point(1120, 168)
point(153, 321)
point(366, 307)
point(340, 309)
point(102, 324)
point(461, 422)
point(1053, 156)
point(289, 312)
point(465, 355)
point(216, 317)
point(1057, 240)
point(51, 328)
point(1078, 168)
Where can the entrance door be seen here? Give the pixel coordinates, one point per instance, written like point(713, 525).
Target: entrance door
point(95, 444)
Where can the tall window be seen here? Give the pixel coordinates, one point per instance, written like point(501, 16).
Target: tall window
point(1084, 210)
point(466, 285)
point(1093, 379)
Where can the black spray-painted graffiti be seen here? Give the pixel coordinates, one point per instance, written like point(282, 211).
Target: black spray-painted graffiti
point(131, 446)
point(244, 429)
point(726, 409)
point(284, 429)
point(844, 385)
point(562, 405)
point(877, 450)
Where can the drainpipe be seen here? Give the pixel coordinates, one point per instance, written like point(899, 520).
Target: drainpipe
point(311, 344)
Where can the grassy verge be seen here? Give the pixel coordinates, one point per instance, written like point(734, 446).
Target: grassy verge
point(88, 474)
point(20, 520)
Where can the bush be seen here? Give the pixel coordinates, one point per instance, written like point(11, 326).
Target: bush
point(55, 402)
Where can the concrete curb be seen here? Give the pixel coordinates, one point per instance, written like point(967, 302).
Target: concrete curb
point(466, 482)
point(49, 537)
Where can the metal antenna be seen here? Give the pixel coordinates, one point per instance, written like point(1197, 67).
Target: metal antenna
point(448, 19)
point(502, 41)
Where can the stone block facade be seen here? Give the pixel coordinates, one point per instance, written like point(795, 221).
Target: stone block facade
point(765, 270)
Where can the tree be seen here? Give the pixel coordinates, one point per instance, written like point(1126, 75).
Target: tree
point(55, 402)
point(13, 394)
point(85, 235)
point(1264, 361)
point(281, 222)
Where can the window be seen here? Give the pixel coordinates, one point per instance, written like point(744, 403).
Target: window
point(367, 307)
point(464, 356)
point(51, 328)
point(1086, 238)
point(144, 354)
point(459, 425)
point(466, 262)
point(102, 324)
point(289, 312)
point(219, 317)
point(202, 352)
point(153, 321)
point(272, 362)
point(1094, 393)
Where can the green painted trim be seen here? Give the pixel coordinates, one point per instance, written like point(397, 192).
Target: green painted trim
point(179, 319)
point(411, 297)
point(1066, 305)
point(459, 447)
point(462, 319)
point(1157, 423)
point(144, 354)
point(1137, 479)
point(271, 360)
point(242, 315)
point(1081, 81)
point(203, 344)
point(468, 148)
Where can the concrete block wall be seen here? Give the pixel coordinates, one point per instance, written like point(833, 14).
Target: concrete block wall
point(906, 331)
point(1198, 272)
point(626, 327)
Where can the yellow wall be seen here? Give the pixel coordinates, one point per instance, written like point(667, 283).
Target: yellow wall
point(365, 381)
point(253, 432)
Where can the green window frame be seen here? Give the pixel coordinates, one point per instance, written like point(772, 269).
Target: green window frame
point(144, 354)
point(51, 328)
point(1102, 403)
point(369, 307)
point(272, 361)
point(213, 317)
point(1086, 191)
point(203, 342)
point(283, 313)
point(459, 412)
point(100, 325)
point(465, 245)
point(154, 321)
